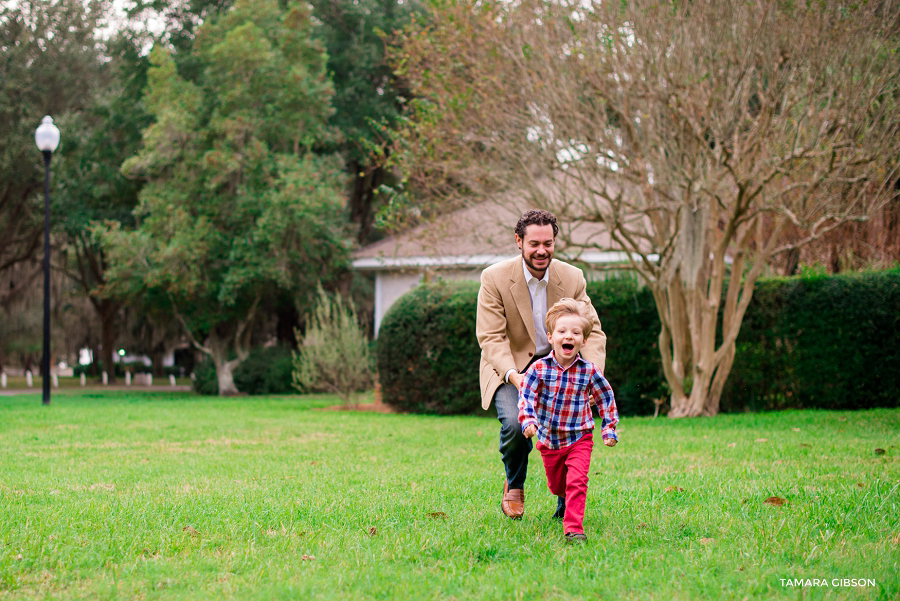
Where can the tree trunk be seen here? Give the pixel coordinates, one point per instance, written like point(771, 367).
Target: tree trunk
point(219, 345)
point(222, 338)
point(156, 356)
point(108, 311)
point(710, 365)
point(366, 182)
point(288, 321)
point(225, 377)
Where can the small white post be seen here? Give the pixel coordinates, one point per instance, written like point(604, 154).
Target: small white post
point(149, 379)
point(127, 378)
point(55, 378)
point(83, 380)
point(104, 377)
point(29, 379)
point(3, 379)
point(171, 379)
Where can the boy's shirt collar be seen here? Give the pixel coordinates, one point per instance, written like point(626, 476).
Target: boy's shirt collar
point(554, 361)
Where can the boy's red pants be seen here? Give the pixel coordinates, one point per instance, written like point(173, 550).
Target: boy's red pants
point(567, 476)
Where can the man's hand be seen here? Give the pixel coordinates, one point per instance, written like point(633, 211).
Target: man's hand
point(530, 431)
point(610, 442)
point(516, 380)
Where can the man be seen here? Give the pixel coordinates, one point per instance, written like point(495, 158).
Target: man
point(512, 309)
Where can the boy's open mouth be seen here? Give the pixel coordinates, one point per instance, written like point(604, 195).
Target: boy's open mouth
point(568, 347)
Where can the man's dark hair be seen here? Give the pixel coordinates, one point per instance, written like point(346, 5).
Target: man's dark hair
point(536, 217)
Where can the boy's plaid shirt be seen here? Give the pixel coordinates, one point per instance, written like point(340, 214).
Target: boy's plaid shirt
point(558, 401)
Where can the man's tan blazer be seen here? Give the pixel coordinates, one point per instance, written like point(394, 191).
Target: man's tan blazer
point(504, 325)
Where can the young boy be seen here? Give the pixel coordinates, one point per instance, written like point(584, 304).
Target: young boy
point(555, 404)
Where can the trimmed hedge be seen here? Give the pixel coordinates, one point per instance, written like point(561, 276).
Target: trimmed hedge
point(824, 342)
point(427, 353)
point(633, 366)
point(829, 342)
point(428, 356)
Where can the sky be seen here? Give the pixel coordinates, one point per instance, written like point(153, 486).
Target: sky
point(117, 18)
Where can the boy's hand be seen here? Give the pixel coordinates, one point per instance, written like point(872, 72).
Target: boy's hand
point(610, 442)
point(530, 431)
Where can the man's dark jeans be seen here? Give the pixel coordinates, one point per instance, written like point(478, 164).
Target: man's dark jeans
point(514, 447)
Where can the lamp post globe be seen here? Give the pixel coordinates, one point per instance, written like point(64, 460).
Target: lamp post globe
point(47, 135)
point(47, 139)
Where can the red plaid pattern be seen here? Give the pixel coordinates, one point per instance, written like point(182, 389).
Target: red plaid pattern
point(558, 401)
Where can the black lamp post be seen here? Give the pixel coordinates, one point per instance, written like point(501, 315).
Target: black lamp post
point(47, 139)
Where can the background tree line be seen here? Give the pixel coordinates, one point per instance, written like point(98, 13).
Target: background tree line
point(210, 175)
point(213, 173)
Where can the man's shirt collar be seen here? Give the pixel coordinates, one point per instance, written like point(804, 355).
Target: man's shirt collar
point(530, 276)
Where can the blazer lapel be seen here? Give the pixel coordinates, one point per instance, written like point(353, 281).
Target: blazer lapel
point(521, 295)
point(554, 286)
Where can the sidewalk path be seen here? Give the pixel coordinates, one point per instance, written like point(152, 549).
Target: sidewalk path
point(95, 388)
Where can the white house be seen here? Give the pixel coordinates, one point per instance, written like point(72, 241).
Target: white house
point(460, 245)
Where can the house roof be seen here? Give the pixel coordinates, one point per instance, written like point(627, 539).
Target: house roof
point(476, 236)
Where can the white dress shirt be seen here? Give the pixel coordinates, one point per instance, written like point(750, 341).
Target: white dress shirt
point(537, 288)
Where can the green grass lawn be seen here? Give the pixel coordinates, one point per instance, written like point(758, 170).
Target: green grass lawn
point(139, 495)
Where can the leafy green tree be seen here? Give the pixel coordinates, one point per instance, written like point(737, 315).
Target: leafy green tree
point(368, 99)
point(235, 207)
point(91, 187)
point(49, 61)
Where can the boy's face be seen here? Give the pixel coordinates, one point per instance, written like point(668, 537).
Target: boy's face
point(567, 338)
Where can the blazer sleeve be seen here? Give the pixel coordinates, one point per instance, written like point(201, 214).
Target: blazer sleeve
point(490, 326)
point(594, 349)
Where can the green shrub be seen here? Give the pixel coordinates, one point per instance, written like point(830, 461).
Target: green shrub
point(334, 353)
point(173, 370)
point(427, 353)
point(204, 380)
point(826, 342)
point(79, 369)
point(830, 342)
point(633, 366)
point(267, 370)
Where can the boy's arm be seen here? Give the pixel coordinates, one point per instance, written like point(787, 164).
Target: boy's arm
point(602, 396)
point(527, 397)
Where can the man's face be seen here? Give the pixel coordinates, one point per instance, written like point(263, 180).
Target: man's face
point(537, 248)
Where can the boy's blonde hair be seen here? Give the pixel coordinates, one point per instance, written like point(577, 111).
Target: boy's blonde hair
point(570, 306)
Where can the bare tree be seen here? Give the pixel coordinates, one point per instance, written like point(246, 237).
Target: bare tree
point(696, 132)
point(855, 245)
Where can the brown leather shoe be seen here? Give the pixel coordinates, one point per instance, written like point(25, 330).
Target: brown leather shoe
point(513, 502)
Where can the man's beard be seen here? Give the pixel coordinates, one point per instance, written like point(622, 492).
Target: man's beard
point(530, 263)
